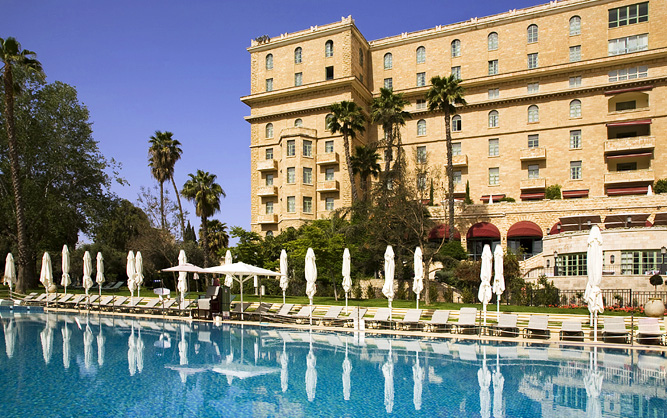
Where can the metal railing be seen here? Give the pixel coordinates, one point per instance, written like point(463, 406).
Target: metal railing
point(620, 298)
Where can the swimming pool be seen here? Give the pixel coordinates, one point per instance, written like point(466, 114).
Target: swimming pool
point(62, 365)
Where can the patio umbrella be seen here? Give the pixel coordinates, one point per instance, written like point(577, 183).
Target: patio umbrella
point(593, 295)
point(182, 275)
point(65, 280)
point(498, 384)
point(99, 278)
point(100, 347)
point(67, 337)
point(311, 277)
point(131, 270)
point(484, 293)
point(10, 338)
point(46, 274)
point(229, 279)
point(46, 337)
point(388, 372)
point(418, 379)
point(347, 280)
point(649, 191)
point(593, 384)
point(132, 353)
point(139, 278)
point(87, 272)
point(311, 373)
point(484, 380)
point(498, 278)
point(284, 280)
point(88, 347)
point(418, 284)
point(284, 362)
point(388, 287)
point(347, 374)
point(10, 272)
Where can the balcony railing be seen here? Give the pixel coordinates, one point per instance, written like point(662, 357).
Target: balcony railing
point(328, 186)
point(629, 144)
point(271, 218)
point(267, 165)
point(327, 158)
point(460, 160)
point(529, 154)
point(267, 191)
point(632, 176)
point(528, 184)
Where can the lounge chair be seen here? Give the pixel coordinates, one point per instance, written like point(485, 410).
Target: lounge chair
point(648, 331)
point(331, 315)
point(109, 285)
point(116, 286)
point(439, 320)
point(467, 321)
point(262, 310)
point(118, 302)
point(38, 300)
point(284, 310)
point(614, 329)
point(506, 326)
point(29, 297)
point(571, 330)
point(304, 314)
point(150, 306)
point(538, 325)
point(131, 304)
point(411, 319)
point(64, 298)
point(104, 303)
point(357, 313)
point(74, 301)
point(381, 318)
point(238, 309)
point(181, 308)
point(167, 304)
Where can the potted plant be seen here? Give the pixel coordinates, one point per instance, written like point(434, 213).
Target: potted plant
point(655, 306)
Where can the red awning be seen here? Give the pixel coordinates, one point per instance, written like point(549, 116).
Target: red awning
point(660, 219)
point(524, 229)
point(641, 88)
point(639, 154)
point(496, 197)
point(571, 194)
point(555, 229)
point(483, 230)
point(532, 196)
point(630, 122)
point(624, 191)
point(442, 230)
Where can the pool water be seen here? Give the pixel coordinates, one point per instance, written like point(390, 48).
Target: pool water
point(62, 365)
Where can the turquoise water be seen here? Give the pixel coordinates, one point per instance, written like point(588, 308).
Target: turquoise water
point(55, 365)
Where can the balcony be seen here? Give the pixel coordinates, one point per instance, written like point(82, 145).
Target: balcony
point(460, 160)
point(629, 144)
point(267, 165)
point(532, 154)
point(634, 176)
point(328, 186)
point(267, 191)
point(271, 218)
point(328, 158)
point(528, 184)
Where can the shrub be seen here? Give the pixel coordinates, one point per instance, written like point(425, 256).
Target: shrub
point(467, 296)
point(552, 192)
point(660, 186)
point(448, 294)
point(452, 249)
point(356, 290)
point(468, 200)
point(507, 199)
point(370, 292)
point(656, 280)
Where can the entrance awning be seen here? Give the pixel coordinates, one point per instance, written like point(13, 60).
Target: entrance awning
point(483, 230)
point(524, 229)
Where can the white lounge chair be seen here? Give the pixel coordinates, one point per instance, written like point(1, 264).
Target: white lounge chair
point(438, 321)
point(571, 330)
point(614, 329)
point(648, 331)
point(506, 325)
point(467, 320)
point(410, 319)
point(538, 325)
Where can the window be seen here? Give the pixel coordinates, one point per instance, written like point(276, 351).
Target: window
point(421, 79)
point(307, 148)
point(575, 170)
point(493, 119)
point(533, 141)
point(629, 105)
point(421, 127)
point(533, 114)
point(456, 48)
point(575, 25)
point(269, 153)
point(575, 139)
point(328, 48)
point(494, 176)
point(534, 171)
point(532, 34)
point(575, 109)
point(533, 88)
point(628, 15)
point(291, 148)
point(291, 204)
point(628, 74)
point(575, 53)
point(329, 203)
point(388, 83)
point(575, 81)
point(421, 55)
point(628, 44)
point(494, 93)
point(298, 123)
point(307, 175)
point(297, 55)
point(421, 155)
point(298, 79)
point(329, 73)
point(492, 41)
point(328, 147)
point(457, 177)
point(329, 174)
point(361, 57)
point(327, 121)
point(269, 233)
point(493, 67)
point(456, 148)
point(640, 262)
point(456, 123)
point(269, 179)
point(307, 204)
point(269, 208)
point(494, 147)
point(269, 84)
point(421, 104)
point(421, 181)
point(388, 61)
point(291, 175)
point(269, 62)
point(572, 264)
point(532, 61)
point(456, 72)
point(626, 166)
point(269, 130)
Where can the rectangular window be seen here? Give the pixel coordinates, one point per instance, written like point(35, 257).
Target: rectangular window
point(307, 148)
point(494, 93)
point(421, 79)
point(629, 105)
point(298, 79)
point(494, 147)
point(572, 264)
point(628, 73)
point(575, 139)
point(329, 203)
point(328, 147)
point(575, 81)
point(421, 104)
point(626, 166)
point(457, 177)
point(533, 88)
point(269, 84)
point(628, 44)
point(269, 179)
point(329, 73)
point(269, 208)
point(456, 71)
point(269, 153)
point(533, 171)
point(421, 155)
point(307, 175)
point(533, 141)
point(291, 148)
point(532, 61)
point(494, 176)
point(640, 262)
point(307, 205)
point(388, 83)
point(329, 174)
point(628, 15)
point(575, 53)
point(291, 204)
point(421, 182)
point(575, 170)
point(291, 175)
point(493, 67)
point(456, 148)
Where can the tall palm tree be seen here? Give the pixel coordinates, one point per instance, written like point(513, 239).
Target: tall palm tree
point(348, 119)
point(365, 163)
point(204, 192)
point(218, 239)
point(15, 58)
point(163, 154)
point(387, 111)
point(444, 95)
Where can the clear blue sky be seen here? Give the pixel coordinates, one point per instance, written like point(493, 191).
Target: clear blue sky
point(181, 66)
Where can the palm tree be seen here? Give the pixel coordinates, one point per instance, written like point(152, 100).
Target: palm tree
point(218, 239)
point(348, 119)
point(365, 163)
point(204, 192)
point(163, 154)
point(445, 93)
point(387, 111)
point(13, 57)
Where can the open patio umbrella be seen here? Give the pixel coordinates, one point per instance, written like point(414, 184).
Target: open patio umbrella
point(87, 272)
point(484, 293)
point(498, 384)
point(418, 379)
point(347, 375)
point(418, 284)
point(10, 272)
point(284, 362)
point(131, 270)
point(99, 277)
point(229, 278)
point(311, 277)
point(484, 380)
point(46, 274)
point(593, 384)
point(311, 373)
point(284, 279)
point(347, 279)
point(67, 337)
point(388, 287)
point(46, 337)
point(388, 372)
point(132, 352)
point(65, 280)
point(10, 338)
point(593, 295)
point(139, 278)
point(100, 347)
point(88, 347)
point(498, 278)
point(182, 275)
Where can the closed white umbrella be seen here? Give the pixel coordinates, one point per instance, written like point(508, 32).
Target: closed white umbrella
point(311, 277)
point(10, 338)
point(498, 384)
point(132, 353)
point(139, 278)
point(88, 347)
point(649, 191)
point(99, 278)
point(100, 347)
point(388, 287)
point(46, 274)
point(593, 384)
point(46, 337)
point(65, 280)
point(347, 279)
point(10, 272)
point(484, 293)
point(498, 277)
point(182, 275)
point(388, 372)
point(347, 375)
point(418, 380)
point(311, 374)
point(284, 279)
point(67, 337)
point(418, 284)
point(131, 270)
point(484, 380)
point(229, 278)
point(284, 376)
point(87, 272)
point(593, 295)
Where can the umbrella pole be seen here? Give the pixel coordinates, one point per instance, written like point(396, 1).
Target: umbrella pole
point(283, 297)
point(311, 314)
point(241, 287)
point(345, 302)
point(417, 300)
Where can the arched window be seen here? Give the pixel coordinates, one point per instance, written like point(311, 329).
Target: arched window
point(493, 41)
point(575, 108)
point(421, 55)
point(297, 55)
point(388, 61)
point(328, 48)
point(269, 233)
point(533, 114)
point(493, 119)
point(269, 62)
point(456, 123)
point(327, 121)
point(269, 130)
point(421, 127)
point(456, 48)
point(575, 25)
point(361, 57)
point(532, 34)
point(298, 123)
